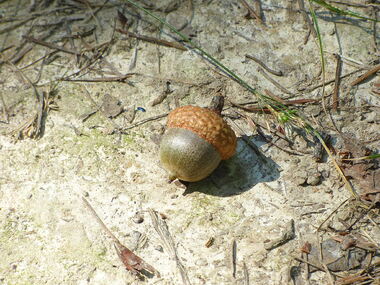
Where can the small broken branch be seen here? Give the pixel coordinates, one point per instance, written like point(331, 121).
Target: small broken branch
point(233, 258)
point(153, 40)
point(263, 65)
point(266, 110)
point(251, 12)
point(301, 5)
point(288, 235)
point(103, 79)
point(338, 71)
point(367, 74)
point(167, 240)
point(274, 82)
point(145, 121)
point(131, 261)
point(309, 89)
point(313, 265)
point(51, 46)
point(5, 109)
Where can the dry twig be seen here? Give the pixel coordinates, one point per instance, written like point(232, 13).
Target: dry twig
point(163, 231)
point(363, 77)
point(288, 235)
point(251, 12)
point(153, 40)
point(313, 265)
point(145, 121)
point(246, 274)
point(5, 109)
point(263, 65)
point(233, 258)
point(274, 82)
point(52, 46)
point(131, 261)
point(121, 78)
point(309, 89)
point(338, 71)
point(301, 5)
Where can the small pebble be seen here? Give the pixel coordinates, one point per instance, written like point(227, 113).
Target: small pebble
point(201, 262)
point(325, 174)
point(314, 179)
point(300, 177)
point(159, 248)
point(163, 216)
point(371, 117)
point(135, 236)
point(138, 218)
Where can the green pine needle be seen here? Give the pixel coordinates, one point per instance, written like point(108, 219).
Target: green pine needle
point(340, 11)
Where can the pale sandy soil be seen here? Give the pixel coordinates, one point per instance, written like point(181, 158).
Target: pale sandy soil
point(47, 236)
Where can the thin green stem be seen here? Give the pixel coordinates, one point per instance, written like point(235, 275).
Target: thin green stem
point(339, 11)
point(321, 52)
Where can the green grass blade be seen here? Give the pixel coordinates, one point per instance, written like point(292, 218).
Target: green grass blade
point(321, 52)
point(372, 156)
point(340, 11)
point(320, 42)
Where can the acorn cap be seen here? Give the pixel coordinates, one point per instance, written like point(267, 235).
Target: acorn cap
point(208, 125)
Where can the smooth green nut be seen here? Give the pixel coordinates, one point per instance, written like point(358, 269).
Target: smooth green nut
point(187, 156)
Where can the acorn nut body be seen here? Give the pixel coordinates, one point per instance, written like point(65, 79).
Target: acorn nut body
point(195, 142)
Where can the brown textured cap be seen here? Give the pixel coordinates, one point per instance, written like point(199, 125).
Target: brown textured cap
point(208, 125)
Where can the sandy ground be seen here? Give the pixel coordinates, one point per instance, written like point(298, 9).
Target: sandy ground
point(48, 236)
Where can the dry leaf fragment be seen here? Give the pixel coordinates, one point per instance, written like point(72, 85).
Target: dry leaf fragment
point(132, 262)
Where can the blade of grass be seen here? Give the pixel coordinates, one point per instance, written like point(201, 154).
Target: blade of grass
point(372, 156)
point(320, 43)
point(339, 11)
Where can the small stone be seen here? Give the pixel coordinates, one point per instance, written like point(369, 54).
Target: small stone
point(370, 117)
point(201, 262)
point(130, 113)
point(111, 106)
point(138, 218)
point(159, 248)
point(135, 236)
point(328, 190)
point(325, 174)
point(296, 160)
point(314, 179)
point(300, 177)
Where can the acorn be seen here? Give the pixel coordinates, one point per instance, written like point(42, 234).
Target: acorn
point(195, 141)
